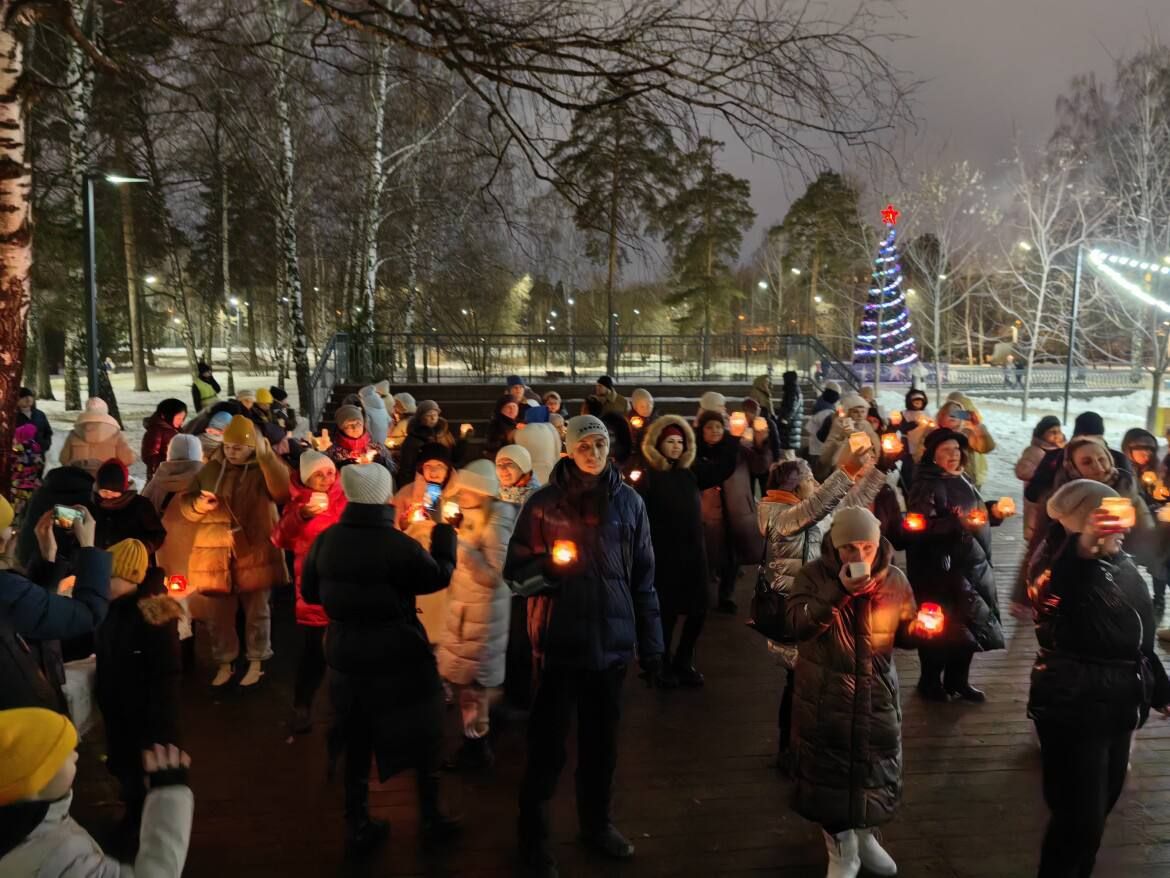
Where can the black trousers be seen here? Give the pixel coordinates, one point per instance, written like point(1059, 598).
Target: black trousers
point(1083, 776)
point(684, 656)
point(310, 666)
point(597, 698)
point(952, 665)
point(784, 720)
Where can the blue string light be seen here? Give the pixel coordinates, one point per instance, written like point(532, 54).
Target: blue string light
point(886, 326)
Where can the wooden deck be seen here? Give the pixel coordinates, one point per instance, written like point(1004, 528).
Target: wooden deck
point(696, 790)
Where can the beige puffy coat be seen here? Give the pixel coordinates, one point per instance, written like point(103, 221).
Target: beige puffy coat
point(94, 439)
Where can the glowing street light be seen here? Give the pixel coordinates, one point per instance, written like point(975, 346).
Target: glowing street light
point(795, 270)
point(942, 277)
point(1025, 246)
point(818, 299)
point(911, 292)
point(150, 279)
point(763, 285)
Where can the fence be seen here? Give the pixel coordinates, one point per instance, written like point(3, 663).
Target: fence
point(332, 368)
point(1044, 377)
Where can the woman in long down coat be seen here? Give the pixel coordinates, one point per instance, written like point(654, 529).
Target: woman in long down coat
point(729, 507)
point(473, 647)
point(950, 565)
point(848, 720)
point(672, 489)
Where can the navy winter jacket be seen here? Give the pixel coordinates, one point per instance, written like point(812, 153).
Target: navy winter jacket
point(605, 603)
point(36, 613)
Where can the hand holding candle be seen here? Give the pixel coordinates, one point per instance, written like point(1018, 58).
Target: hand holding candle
point(418, 514)
point(635, 475)
point(930, 619)
point(451, 513)
point(760, 425)
point(915, 522)
point(738, 424)
point(1120, 508)
point(564, 552)
point(1006, 507)
point(977, 517)
point(895, 419)
point(637, 422)
point(891, 444)
point(176, 583)
point(465, 430)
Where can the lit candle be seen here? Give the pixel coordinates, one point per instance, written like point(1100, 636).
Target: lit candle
point(914, 521)
point(1006, 506)
point(465, 429)
point(760, 425)
point(635, 474)
point(1120, 508)
point(419, 514)
point(930, 617)
point(1163, 514)
point(891, 443)
point(977, 517)
point(393, 442)
point(177, 582)
point(450, 510)
point(738, 423)
point(859, 441)
point(1149, 479)
point(637, 422)
point(319, 501)
point(564, 552)
point(895, 418)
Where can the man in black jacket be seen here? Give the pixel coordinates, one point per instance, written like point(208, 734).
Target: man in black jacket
point(582, 549)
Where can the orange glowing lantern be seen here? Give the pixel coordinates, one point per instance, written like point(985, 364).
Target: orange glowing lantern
point(977, 517)
point(1006, 507)
point(1122, 509)
point(465, 429)
point(895, 419)
point(393, 442)
point(635, 475)
point(177, 582)
point(914, 521)
point(891, 444)
point(759, 425)
point(930, 617)
point(419, 514)
point(637, 422)
point(1149, 479)
point(564, 552)
point(738, 423)
point(450, 510)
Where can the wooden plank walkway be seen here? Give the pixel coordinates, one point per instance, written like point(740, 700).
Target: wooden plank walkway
point(696, 790)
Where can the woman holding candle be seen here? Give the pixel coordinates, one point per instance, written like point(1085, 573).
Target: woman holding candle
point(729, 506)
point(958, 413)
point(432, 472)
point(1141, 449)
point(948, 540)
point(1096, 673)
point(315, 504)
point(838, 432)
point(582, 548)
point(514, 470)
point(848, 609)
point(472, 649)
point(351, 442)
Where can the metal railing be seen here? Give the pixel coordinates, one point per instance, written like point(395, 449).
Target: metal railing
point(1044, 376)
point(332, 368)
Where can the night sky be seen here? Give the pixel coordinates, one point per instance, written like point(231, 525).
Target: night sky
point(990, 68)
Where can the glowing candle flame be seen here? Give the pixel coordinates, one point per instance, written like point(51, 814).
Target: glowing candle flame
point(637, 422)
point(914, 521)
point(891, 443)
point(930, 617)
point(635, 474)
point(564, 552)
point(177, 582)
point(1007, 506)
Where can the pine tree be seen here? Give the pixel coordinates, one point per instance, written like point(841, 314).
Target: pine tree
point(703, 226)
point(885, 334)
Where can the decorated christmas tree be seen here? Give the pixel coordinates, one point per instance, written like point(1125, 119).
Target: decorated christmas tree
point(884, 338)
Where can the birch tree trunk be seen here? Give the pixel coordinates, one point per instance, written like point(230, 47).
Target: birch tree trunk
point(15, 232)
point(225, 262)
point(133, 297)
point(412, 276)
point(374, 188)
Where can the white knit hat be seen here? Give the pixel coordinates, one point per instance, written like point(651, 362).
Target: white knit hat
point(855, 525)
point(95, 410)
point(854, 401)
point(479, 477)
point(184, 446)
point(406, 401)
point(831, 385)
point(311, 461)
point(712, 401)
point(369, 483)
point(518, 454)
point(1075, 501)
point(246, 394)
point(582, 426)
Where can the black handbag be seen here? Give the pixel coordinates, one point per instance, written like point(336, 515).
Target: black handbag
point(769, 607)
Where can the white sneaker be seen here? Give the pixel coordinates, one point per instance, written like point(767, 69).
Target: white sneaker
point(255, 672)
point(223, 674)
point(844, 861)
point(872, 855)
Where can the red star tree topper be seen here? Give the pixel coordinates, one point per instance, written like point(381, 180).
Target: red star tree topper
point(890, 215)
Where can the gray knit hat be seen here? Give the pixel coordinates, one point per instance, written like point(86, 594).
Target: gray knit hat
point(1075, 501)
point(582, 426)
point(369, 483)
point(427, 405)
point(347, 413)
point(855, 525)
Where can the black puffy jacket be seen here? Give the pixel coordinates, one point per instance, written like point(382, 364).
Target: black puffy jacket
point(605, 603)
point(790, 414)
point(1096, 669)
point(950, 561)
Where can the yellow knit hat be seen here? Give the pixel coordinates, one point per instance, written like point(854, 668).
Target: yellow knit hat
point(7, 513)
point(34, 744)
point(241, 431)
point(264, 396)
point(130, 560)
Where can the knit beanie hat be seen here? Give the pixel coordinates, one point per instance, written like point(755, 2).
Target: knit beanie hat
point(854, 401)
point(641, 394)
point(264, 396)
point(240, 431)
point(219, 421)
point(427, 405)
point(34, 744)
point(712, 401)
point(96, 406)
point(518, 454)
point(369, 483)
point(833, 386)
point(916, 394)
point(1075, 501)
point(242, 395)
point(1089, 424)
point(278, 393)
point(407, 402)
point(582, 426)
point(313, 461)
point(7, 513)
point(1046, 423)
point(707, 417)
point(605, 381)
point(184, 446)
point(347, 413)
point(130, 560)
point(937, 437)
point(514, 380)
point(479, 476)
point(112, 476)
point(552, 394)
point(1138, 438)
point(432, 451)
point(855, 524)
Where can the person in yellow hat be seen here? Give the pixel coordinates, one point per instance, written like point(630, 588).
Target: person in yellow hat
point(233, 506)
point(38, 763)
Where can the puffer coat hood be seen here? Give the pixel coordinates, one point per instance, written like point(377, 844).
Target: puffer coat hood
point(654, 458)
point(761, 392)
point(543, 443)
point(846, 712)
point(93, 440)
point(377, 418)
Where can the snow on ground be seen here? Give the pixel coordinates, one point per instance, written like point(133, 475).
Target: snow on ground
point(1002, 416)
point(134, 406)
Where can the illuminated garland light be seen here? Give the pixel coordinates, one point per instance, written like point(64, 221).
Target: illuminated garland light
point(1099, 260)
point(1100, 256)
point(885, 327)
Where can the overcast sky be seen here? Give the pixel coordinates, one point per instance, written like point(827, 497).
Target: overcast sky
point(989, 69)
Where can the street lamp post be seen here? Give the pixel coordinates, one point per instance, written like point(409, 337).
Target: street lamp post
point(89, 266)
point(1072, 327)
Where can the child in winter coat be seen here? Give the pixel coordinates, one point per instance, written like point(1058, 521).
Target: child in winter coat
point(161, 427)
point(472, 649)
point(315, 503)
point(233, 504)
point(38, 762)
point(121, 512)
point(28, 467)
point(137, 684)
point(95, 438)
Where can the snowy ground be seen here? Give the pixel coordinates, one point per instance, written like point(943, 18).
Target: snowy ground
point(1012, 435)
point(165, 381)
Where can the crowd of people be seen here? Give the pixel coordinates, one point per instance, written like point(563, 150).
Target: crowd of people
point(540, 562)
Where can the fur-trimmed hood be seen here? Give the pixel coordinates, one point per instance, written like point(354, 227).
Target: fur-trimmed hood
point(159, 609)
point(654, 458)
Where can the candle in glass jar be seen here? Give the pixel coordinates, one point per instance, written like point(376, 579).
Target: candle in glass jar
point(895, 418)
point(419, 514)
point(319, 501)
point(759, 425)
point(738, 423)
point(1120, 508)
point(637, 422)
point(930, 617)
point(977, 517)
point(1007, 506)
point(914, 521)
point(450, 510)
point(564, 552)
point(176, 582)
point(1149, 479)
point(635, 474)
point(891, 443)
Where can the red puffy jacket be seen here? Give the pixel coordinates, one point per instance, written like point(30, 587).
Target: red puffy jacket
point(296, 534)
